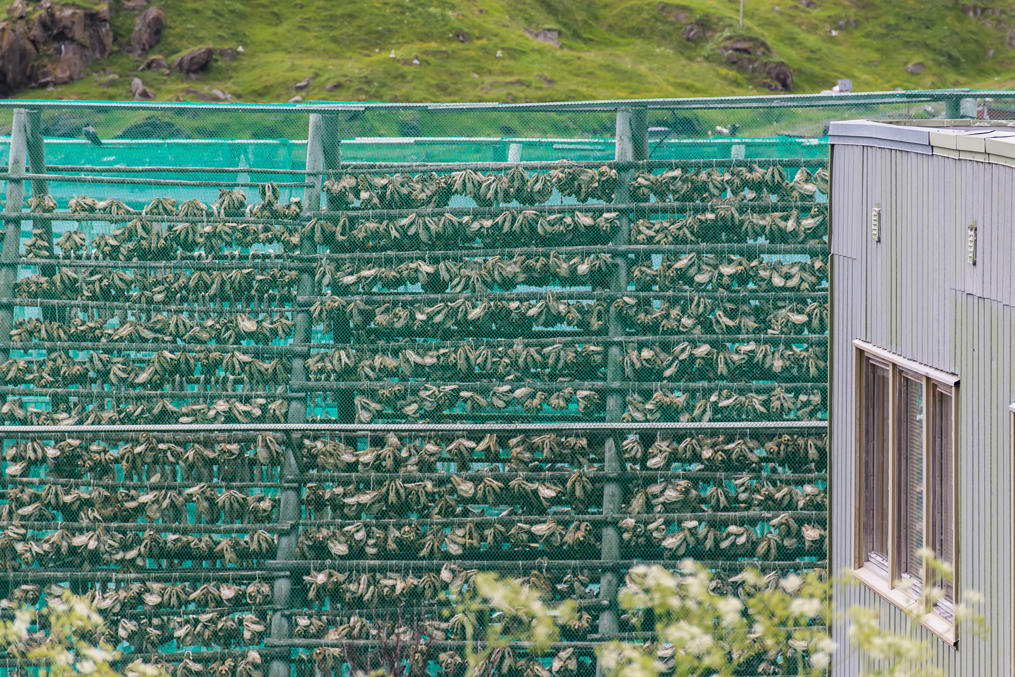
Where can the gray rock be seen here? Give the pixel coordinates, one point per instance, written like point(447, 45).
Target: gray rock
point(147, 30)
point(52, 44)
point(305, 82)
point(194, 61)
point(916, 68)
point(138, 90)
point(548, 35)
point(155, 63)
point(17, 55)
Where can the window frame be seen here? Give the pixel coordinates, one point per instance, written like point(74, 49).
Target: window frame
point(900, 478)
point(862, 556)
point(883, 580)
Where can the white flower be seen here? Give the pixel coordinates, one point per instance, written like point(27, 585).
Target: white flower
point(820, 660)
point(729, 609)
point(791, 583)
point(808, 607)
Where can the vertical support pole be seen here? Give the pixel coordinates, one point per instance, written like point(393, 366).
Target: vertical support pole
point(11, 241)
point(952, 108)
point(12, 227)
point(341, 331)
point(514, 153)
point(631, 145)
point(37, 165)
point(289, 508)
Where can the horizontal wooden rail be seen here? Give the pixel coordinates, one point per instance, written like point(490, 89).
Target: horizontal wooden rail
point(312, 261)
point(360, 167)
point(754, 206)
point(368, 476)
point(305, 301)
point(309, 429)
point(131, 181)
point(129, 394)
point(755, 516)
point(525, 565)
point(168, 656)
point(408, 609)
point(163, 574)
point(487, 386)
point(421, 344)
point(84, 483)
point(138, 347)
point(272, 527)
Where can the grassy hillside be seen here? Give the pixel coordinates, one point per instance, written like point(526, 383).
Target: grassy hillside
point(608, 48)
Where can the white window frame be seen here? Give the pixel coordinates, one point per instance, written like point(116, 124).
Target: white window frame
point(878, 578)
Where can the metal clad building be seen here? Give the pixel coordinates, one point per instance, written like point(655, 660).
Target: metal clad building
point(923, 254)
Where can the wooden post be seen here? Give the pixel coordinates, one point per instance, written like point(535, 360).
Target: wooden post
point(340, 329)
point(514, 153)
point(952, 108)
point(631, 144)
point(289, 508)
point(12, 227)
point(37, 165)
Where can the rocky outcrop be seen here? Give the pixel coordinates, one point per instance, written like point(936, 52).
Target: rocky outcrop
point(44, 42)
point(752, 55)
point(194, 60)
point(548, 35)
point(138, 90)
point(155, 63)
point(147, 30)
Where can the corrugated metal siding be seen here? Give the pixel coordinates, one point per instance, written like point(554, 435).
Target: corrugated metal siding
point(915, 294)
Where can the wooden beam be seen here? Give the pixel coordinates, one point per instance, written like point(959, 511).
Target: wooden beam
point(631, 144)
point(12, 227)
point(289, 506)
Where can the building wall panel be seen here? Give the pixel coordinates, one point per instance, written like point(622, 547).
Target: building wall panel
point(915, 294)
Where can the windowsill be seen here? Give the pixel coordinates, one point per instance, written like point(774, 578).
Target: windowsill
point(879, 583)
point(942, 627)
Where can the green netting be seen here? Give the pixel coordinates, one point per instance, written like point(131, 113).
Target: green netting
point(277, 397)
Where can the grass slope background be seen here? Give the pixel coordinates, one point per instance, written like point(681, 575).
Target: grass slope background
point(608, 48)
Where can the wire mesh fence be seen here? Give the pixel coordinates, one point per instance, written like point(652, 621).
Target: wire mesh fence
point(272, 389)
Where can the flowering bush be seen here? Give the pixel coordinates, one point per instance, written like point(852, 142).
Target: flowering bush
point(772, 625)
point(60, 638)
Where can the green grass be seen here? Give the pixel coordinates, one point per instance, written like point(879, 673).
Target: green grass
point(609, 48)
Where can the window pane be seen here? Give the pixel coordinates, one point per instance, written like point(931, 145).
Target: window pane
point(909, 480)
point(941, 508)
point(875, 462)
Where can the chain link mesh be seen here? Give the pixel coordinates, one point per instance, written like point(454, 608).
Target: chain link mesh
point(268, 401)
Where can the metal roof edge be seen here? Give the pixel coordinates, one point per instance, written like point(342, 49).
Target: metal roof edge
point(880, 131)
point(877, 142)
